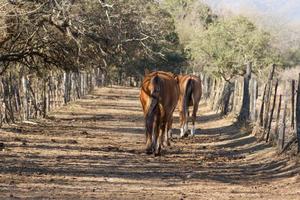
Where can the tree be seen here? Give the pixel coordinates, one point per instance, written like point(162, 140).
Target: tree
point(191, 17)
point(75, 35)
point(228, 44)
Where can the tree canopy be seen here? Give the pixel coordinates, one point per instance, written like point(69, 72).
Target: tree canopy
point(72, 35)
point(122, 37)
point(228, 44)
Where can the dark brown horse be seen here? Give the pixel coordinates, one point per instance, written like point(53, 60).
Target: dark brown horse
point(190, 94)
point(159, 96)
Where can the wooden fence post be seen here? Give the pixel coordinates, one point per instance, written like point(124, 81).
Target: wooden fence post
point(253, 98)
point(277, 119)
point(282, 126)
point(44, 100)
point(267, 100)
point(272, 111)
point(235, 94)
point(298, 114)
point(1, 104)
point(67, 87)
point(213, 93)
point(25, 98)
point(217, 99)
point(293, 104)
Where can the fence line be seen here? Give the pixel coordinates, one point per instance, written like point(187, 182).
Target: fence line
point(274, 107)
point(25, 96)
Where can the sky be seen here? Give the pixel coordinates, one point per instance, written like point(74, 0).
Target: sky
point(281, 17)
point(287, 11)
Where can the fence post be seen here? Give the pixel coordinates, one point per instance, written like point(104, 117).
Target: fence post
point(253, 98)
point(25, 97)
point(1, 104)
point(234, 98)
point(213, 96)
point(267, 100)
point(298, 114)
point(44, 100)
point(281, 136)
point(277, 119)
point(272, 111)
point(293, 105)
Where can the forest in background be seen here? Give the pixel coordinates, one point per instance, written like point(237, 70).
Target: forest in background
point(121, 38)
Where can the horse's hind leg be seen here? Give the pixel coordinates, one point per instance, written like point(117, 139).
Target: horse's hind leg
point(151, 137)
point(149, 140)
point(149, 149)
point(168, 133)
point(183, 124)
point(155, 134)
point(194, 115)
point(160, 137)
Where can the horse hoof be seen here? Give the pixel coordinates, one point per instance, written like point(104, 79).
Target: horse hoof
point(157, 151)
point(183, 136)
point(149, 151)
point(157, 154)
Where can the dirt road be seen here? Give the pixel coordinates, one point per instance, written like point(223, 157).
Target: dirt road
point(94, 149)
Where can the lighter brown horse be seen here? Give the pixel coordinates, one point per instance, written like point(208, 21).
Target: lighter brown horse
point(159, 96)
point(190, 95)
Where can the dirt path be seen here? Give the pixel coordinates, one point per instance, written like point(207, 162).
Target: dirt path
point(94, 148)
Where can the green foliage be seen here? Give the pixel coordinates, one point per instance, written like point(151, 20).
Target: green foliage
point(113, 35)
point(191, 16)
point(228, 44)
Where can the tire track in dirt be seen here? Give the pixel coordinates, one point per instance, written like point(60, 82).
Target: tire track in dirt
point(94, 148)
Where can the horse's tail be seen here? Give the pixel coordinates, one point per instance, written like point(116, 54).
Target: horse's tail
point(187, 97)
point(153, 105)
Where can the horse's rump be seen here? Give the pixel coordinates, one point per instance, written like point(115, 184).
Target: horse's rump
point(159, 96)
point(187, 96)
point(190, 94)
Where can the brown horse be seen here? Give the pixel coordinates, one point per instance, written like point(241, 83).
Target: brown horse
point(190, 94)
point(159, 96)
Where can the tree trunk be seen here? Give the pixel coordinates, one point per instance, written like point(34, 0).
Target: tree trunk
point(25, 98)
point(34, 100)
point(9, 116)
point(217, 100)
point(44, 98)
point(245, 110)
point(225, 97)
point(213, 94)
